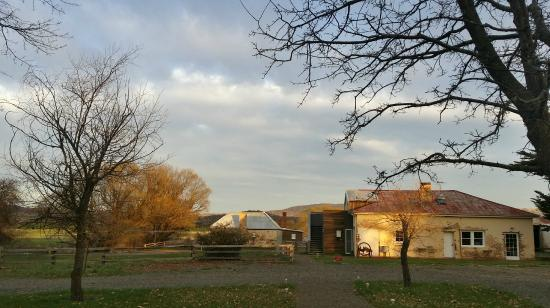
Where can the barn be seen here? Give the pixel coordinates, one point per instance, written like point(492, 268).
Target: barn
point(264, 230)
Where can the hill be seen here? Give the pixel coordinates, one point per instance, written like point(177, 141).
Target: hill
point(298, 209)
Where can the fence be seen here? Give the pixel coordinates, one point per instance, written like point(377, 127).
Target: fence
point(280, 253)
point(56, 260)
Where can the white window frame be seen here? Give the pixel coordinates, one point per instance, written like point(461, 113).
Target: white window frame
point(472, 238)
point(395, 236)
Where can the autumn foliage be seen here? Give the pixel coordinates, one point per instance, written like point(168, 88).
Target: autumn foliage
point(149, 205)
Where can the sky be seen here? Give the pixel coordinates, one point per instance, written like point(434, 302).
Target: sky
point(245, 134)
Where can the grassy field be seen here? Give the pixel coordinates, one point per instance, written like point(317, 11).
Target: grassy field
point(392, 294)
point(39, 265)
point(241, 296)
point(328, 259)
point(38, 238)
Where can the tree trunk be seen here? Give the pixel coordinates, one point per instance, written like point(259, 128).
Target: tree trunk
point(81, 244)
point(405, 262)
point(78, 266)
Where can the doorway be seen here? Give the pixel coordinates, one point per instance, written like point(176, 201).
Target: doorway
point(448, 245)
point(348, 241)
point(512, 247)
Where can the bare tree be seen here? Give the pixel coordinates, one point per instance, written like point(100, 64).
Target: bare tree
point(410, 222)
point(41, 35)
point(75, 132)
point(489, 58)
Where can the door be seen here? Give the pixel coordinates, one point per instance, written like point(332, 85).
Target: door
point(512, 247)
point(448, 245)
point(348, 241)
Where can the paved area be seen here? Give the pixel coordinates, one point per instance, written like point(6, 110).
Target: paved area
point(318, 284)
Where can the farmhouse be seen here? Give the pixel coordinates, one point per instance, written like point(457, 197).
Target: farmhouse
point(263, 229)
point(449, 223)
point(541, 228)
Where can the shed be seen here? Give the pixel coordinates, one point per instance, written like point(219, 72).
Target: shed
point(265, 230)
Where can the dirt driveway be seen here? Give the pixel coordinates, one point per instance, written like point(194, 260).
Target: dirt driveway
point(318, 284)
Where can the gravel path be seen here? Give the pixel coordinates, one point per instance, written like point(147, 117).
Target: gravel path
point(318, 284)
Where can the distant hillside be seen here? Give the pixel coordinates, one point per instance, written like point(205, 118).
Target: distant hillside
point(298, 209)
point(295, 214)
point(206, 220)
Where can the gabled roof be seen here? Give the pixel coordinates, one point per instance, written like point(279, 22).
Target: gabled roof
point(451, 203)
point(254, 220)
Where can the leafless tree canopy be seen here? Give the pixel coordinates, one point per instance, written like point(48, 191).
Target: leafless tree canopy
point(77, 130)
point(491, 56)
point(80, 129)
point(42, 35)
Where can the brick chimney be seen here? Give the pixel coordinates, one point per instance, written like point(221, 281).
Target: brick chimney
point(425, 191)
point(242, 221)
point(283, 223)
point(425, 186)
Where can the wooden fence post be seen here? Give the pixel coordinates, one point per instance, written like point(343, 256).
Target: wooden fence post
point(103, 259)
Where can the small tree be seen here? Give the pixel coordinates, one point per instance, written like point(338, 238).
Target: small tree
point(9, 200)
point(75, 132)
point(409, 221)
point(407, 213)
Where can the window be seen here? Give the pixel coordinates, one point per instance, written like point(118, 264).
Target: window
point(293, 236)
point(399, 236)
point(472, 238)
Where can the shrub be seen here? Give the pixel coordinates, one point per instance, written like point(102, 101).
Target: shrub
point(224, 235)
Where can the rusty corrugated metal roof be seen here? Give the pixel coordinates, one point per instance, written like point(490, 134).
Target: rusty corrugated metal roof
point(451, 203)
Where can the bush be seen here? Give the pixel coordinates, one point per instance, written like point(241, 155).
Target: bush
point(224, 235)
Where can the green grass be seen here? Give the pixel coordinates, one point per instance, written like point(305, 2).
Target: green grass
point(38, 238)
point(241, 296)
point(329, 259)
point(393, 294)
point(39, 265)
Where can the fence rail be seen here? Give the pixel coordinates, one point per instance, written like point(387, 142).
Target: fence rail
point(169, 253)
point(284, 253)
point(103, 255)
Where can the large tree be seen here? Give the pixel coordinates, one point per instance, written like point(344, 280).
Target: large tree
point(75, 131)
point(488, 58)
point(150, 205)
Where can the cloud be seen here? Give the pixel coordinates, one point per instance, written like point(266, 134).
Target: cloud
point(384, 147)
point(244, 134)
